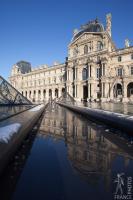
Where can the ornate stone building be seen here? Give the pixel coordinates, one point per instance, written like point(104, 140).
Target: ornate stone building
point(95, 70)
point(38, 84)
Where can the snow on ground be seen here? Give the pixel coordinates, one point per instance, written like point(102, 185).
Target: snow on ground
point(37, 108)
point(6, 132)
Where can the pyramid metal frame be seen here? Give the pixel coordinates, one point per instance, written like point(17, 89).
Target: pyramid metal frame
point(10, 96)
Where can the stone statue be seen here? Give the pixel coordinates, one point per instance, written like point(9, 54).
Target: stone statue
point(108, 23)
point(127, 43)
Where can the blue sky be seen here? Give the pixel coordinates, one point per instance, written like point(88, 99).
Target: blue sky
point(39, 31)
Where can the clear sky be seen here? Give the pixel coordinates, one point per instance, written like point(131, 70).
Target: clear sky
point(39, 31)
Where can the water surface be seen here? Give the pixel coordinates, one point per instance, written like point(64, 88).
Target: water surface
point(71, 158)
point(6, 111)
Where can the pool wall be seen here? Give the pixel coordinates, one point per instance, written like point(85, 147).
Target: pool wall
point(119, 121)
point(16, 129)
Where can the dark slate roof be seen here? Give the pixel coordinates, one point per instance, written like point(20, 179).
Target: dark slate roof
point(93, 26)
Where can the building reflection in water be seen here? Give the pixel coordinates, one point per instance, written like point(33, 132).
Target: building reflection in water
point(6, 111)
point(90, 152)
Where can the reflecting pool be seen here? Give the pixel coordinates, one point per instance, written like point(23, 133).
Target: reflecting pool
point(70, 158)
point(125, 108)
point(6, 111)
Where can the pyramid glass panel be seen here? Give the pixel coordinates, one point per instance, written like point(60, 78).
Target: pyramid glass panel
point(9, 95)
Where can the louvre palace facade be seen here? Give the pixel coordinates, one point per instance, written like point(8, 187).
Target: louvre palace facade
point(94, 70)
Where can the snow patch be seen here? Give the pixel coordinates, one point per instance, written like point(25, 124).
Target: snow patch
point(37, 108)
point(8, 131)
point(130, 118)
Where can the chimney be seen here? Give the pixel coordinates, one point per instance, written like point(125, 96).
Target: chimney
point(108, 23)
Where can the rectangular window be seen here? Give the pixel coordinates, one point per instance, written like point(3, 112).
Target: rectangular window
point(131, 70)
point(119, 59)
point(98, 73)
point(119, 72)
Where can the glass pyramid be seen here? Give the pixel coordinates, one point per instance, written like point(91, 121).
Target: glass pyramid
point(9, 95)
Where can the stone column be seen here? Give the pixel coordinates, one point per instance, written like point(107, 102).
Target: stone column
point(88, 91)
point(124, 99)
point(93, 91)
point(47, 94)
point(42, 97)
point(78, 98)
point(31, 96)
point(60, 91)
point(53, 93)
point(71, 90)
point(111, 91)
point(68, 88)
point(107, 90)
point(36, 96)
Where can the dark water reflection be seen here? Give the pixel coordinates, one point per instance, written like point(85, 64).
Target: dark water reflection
point(125, 108)
point(73, 159)
point(6, 111)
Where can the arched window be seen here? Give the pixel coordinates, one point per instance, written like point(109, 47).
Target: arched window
point(30, 94)
point(50, 93)
point(44, 93)
point(130, 89)
point(56, 93)
point(85, 49)
point(99, 45)
point(84, 74)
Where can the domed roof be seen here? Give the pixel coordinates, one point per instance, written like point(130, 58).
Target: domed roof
point(92, 26)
